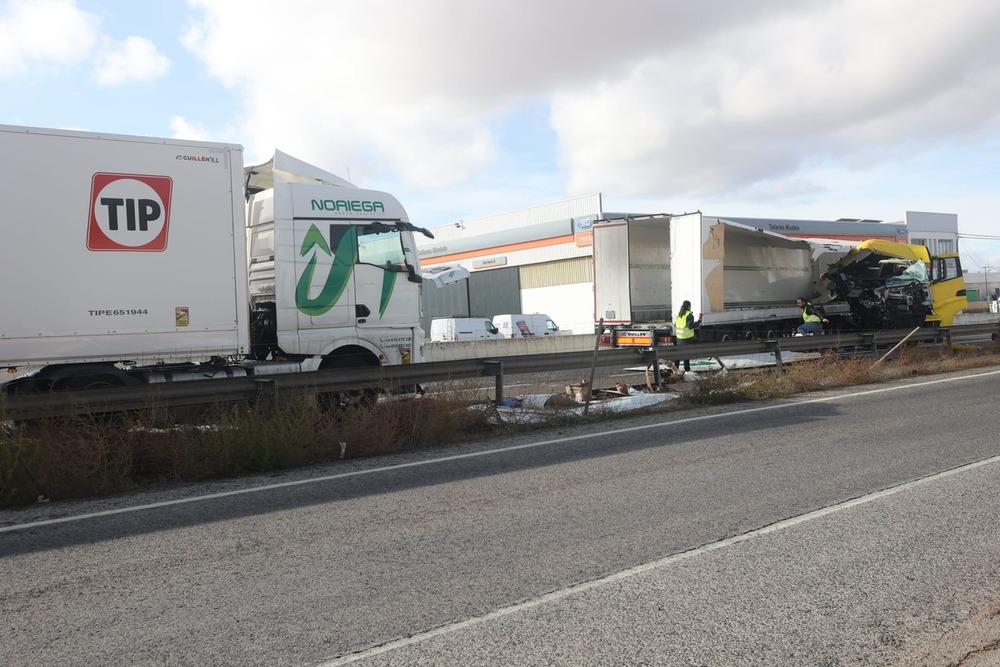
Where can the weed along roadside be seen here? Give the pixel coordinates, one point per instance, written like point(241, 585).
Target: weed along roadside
point(93, 456)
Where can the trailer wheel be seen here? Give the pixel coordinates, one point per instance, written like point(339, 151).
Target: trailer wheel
point(90, 376)
point(94, 382)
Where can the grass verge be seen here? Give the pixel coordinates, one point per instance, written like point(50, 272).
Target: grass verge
point(94, 456)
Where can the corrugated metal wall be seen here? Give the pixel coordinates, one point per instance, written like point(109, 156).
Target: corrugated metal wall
point(447, 301)
point(494, 292)
point(564, 272)
point(497, 291)
point(485, 293)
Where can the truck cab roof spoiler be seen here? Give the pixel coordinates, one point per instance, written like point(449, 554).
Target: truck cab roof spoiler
point(283, 168)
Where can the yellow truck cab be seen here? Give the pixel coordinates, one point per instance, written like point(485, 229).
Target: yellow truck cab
point(900, 284)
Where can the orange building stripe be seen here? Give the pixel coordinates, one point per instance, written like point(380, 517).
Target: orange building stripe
point(469, 254)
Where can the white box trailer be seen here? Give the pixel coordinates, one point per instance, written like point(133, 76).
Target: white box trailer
point(745, 280)
point(124, 248)
point(149, 260)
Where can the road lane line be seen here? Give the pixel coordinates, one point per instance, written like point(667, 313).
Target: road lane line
point(558, 595)
point(471, 455)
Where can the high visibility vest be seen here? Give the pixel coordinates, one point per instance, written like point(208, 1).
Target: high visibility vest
point(806, 317)
point(682, 331)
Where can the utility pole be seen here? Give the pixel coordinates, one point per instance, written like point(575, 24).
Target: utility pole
point(989, 295)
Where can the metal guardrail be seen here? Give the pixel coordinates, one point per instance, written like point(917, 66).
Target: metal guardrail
point(275, 387)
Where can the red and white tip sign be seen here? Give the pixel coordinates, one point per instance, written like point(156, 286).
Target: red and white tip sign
point(129, 212)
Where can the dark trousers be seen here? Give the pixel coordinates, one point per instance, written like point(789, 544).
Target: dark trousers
point(686, 362)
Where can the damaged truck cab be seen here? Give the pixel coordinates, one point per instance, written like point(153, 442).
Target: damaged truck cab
point(891, 285)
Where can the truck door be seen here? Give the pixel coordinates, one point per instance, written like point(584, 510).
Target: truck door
point(947, 288)
point(387, 292)
point(325, 257)
point(612, 296)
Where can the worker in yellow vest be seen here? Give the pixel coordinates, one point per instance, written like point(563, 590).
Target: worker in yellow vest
point(684, 329)
point(813, 318)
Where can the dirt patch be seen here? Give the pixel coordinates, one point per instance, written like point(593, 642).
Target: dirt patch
point(976, 643)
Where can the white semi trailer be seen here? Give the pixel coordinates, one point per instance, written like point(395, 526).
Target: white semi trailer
point(136, 260)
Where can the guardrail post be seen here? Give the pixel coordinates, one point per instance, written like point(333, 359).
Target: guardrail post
point(266, 393)
point(947, 341)
point(495, 367)
point(775, 348)
point(874, 343)
point(651, 358)
point(593, 366)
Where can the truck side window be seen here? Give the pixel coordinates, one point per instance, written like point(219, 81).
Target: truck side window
point(337, 235)
point(381, 246)
point(946, 268)
point(262, 244)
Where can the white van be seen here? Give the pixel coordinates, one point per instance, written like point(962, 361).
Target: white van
point(449, 329)
point(523, 325)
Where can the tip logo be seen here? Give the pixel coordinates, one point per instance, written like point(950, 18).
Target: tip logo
point(129, 212)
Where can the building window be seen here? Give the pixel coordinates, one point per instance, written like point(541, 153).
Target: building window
point(945, 246)
point(916, 241)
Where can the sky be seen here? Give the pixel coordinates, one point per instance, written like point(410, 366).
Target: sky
point(813, 109)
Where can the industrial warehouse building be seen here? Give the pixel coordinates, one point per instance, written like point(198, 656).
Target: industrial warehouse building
point(539, 260)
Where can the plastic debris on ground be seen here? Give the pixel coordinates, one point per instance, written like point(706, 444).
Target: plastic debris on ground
point(537, 408)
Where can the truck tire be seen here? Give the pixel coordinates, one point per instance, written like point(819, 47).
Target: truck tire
point(355, 398)
point(93, 382)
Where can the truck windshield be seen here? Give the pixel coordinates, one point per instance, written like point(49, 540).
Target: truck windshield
point(381, 245)
point(914, 273)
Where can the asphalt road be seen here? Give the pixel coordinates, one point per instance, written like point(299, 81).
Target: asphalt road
point(856, 527)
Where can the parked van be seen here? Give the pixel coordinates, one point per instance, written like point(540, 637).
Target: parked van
point(523, 325)
point(448, 329)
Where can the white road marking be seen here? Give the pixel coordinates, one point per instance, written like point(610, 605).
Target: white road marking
point(558, 595)
point(471, 455)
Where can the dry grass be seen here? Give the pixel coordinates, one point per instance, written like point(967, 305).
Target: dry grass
point(92, 456)
point(831, 371)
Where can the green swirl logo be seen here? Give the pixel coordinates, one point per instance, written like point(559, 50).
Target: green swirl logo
point(338, 277)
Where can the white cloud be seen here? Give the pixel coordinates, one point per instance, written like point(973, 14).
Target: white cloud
point(181, 128)
point(856, 81)
point(651, 93)
point(668, 100)
point(134, 60)
point(44, 34)
point(417, 86)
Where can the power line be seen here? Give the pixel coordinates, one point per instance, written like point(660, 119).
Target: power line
point(970, 253)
